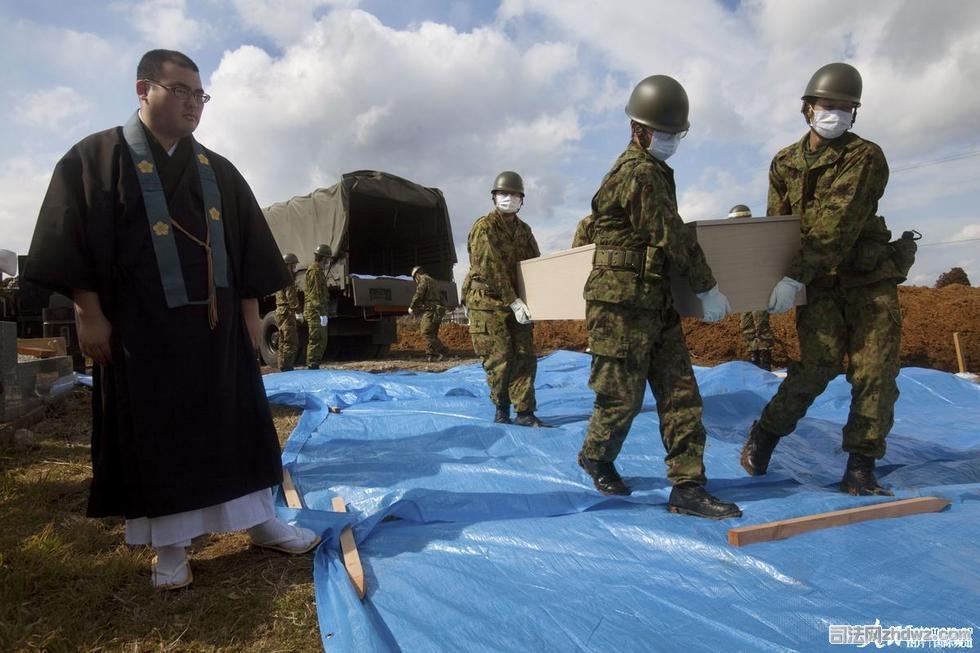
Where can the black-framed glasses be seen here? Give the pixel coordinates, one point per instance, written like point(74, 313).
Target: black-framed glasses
point(182, 92)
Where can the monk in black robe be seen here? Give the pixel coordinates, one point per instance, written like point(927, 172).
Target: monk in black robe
point(165, 251)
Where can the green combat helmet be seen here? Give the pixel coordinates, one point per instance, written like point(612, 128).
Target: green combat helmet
point(659, 102)
point(508, 181)
point(290, 258)
point(740, 211)
point(416, 270)
point(322, 251)
point(835, 81)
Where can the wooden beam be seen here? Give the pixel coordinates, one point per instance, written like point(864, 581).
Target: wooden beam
point(778, 530)
point(959, 352)
point(348, 549)
point(292, 496)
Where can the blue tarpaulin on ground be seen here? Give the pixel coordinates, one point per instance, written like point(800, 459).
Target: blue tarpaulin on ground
point(483, 537)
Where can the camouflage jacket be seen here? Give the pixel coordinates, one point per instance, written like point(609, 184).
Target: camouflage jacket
point(287, 301)
point(317, 293)
point(426, 294)
point(635, 213)
point(496, 245)
point(584, 231)
point(836, 196)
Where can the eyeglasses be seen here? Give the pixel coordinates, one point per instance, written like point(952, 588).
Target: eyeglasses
point(182, 92)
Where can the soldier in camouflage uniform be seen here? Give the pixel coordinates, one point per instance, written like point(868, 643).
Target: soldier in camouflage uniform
point(500, 322)
point(287, 310)
point(316, 305)
point(584, 231)
point(834, 179)
point(755, 324)
point(427, 306)
point(634, 331)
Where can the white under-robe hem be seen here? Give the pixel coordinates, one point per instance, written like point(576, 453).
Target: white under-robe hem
point(235, 515)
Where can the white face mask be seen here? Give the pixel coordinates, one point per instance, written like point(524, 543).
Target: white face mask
point(663, 145)
point(507, 203)
point(831, 124)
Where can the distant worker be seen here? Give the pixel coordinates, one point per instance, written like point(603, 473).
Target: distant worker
point(755, 324)
point(635, 334)
point(584, 231)
point(287, 316)
point(427, 306)
point(500, 322)
point(834, 179)
point(316, 305)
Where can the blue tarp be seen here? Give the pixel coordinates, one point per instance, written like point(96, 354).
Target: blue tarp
point(501, 543)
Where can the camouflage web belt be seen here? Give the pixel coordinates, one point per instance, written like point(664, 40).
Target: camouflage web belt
point(618, 259)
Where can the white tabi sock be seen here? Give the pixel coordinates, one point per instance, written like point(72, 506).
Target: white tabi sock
point(170, 557)
point(272, 530)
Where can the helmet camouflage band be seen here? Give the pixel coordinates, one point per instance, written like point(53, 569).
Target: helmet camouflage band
point(835, 81)
point(290, 258)
point(508, 181)
point(659, 102)
point(740, 211)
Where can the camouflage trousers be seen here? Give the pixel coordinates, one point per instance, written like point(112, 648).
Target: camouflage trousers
point(429, 322)
point(865, 324)
point(756, 330)
point(316, 343)
point(288, 339)
point(630, 349)
point(507, 351)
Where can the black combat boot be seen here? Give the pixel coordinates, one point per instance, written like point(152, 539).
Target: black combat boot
point(314, 366)
point(758, 450)
point(754, 356)
point(528, 418)
point(286, 368)
point(692, 499)
point(765, 359)
point(502, 416)
point(604, 476)
point(859, 478)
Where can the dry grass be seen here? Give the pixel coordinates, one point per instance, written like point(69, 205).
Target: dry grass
point(68, 583)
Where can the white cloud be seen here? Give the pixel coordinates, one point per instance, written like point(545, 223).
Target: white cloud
point(437, 106)
point(970, 231)
point(23, 182)
point(51, 108)
point(165, 23)
point(284, 21)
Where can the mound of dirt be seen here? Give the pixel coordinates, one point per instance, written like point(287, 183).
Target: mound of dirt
point(930, 316)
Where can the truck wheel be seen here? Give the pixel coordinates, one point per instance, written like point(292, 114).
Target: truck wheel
point(269, 342)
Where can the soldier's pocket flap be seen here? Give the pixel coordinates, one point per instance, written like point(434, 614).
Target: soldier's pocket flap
point(604, 344)
point(478, 323)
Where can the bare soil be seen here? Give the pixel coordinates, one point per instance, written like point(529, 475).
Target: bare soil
point(930, 316)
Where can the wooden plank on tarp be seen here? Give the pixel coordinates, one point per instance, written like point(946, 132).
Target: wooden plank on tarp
point(778, 530)
point(348, 549)
point(292, 496)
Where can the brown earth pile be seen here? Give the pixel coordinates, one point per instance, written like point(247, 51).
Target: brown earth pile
point(930, 316)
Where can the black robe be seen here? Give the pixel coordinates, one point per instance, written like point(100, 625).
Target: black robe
point(180, 420)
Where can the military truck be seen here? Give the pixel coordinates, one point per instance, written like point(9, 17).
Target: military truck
point(380, 226)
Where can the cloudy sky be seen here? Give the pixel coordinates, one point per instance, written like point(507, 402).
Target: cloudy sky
point(448, 94)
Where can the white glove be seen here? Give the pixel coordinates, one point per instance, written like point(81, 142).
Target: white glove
point(410, 311)
point(324, 320)
point(714, 305)
point(783, 296)
point(521, 311)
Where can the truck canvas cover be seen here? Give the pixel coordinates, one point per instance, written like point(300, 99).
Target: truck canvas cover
point(380, 224)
